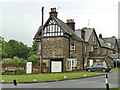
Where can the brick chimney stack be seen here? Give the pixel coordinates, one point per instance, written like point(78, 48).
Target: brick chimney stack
point(71, 23)
point(53, 12)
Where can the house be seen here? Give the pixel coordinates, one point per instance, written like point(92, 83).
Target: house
point(62, 48)
point(92, 45)
point(106, 47)
point(112, 42)
point(96, 48)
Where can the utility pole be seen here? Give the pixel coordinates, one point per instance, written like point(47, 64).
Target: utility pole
point(42, 37)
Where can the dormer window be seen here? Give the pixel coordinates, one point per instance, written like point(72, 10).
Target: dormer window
point(72, 46)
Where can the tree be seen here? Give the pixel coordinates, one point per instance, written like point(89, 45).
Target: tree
point(6, 50)
point(18, 49)
point(33, 59)
point(32, 50)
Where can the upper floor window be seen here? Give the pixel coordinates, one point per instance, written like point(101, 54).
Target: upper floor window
point(92, 48)
point(72, 46)
point(93, 38)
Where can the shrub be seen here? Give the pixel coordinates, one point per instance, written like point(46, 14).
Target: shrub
point(18, 60)
point(33, 59)
point(7, 60)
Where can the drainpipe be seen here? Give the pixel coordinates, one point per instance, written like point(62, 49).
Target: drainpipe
point(69, 47)
point(83, 54)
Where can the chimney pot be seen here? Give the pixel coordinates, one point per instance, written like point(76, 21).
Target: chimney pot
point(53, 9)
point(53, 12)
point(70, 20)
point(71, 23)
point(100, 35)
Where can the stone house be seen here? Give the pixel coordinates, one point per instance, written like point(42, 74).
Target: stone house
point(92, 45)
point(62, 48)
point(96, 48)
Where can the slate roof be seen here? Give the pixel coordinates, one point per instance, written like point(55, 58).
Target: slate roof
point(64, 26)
point(111, 40)
point(104, 43)
point(88, 33)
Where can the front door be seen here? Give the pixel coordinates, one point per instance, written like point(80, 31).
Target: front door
point(56, 66)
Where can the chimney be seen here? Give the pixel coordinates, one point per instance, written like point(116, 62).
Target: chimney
point(100, 35)
point(71, 23)
point(53, 12)
point(83, 34)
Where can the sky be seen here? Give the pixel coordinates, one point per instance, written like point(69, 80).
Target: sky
point(20, 19)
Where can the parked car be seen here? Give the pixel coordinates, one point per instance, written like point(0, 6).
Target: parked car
point(104, 67)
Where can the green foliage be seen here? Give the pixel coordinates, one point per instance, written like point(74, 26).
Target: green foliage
point(14, 60)
point(32, 50)
point(7, 60)
point(14, 48)
point(33, 59)
point(18, 60)
point(19, 69)
point(34, 46)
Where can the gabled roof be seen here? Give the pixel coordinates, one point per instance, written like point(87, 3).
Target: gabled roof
point(104, 43)
point(111, 40)
point(88, 33)
point(64, 26)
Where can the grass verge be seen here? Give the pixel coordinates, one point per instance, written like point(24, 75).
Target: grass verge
point(115, 69)
point(46, 77)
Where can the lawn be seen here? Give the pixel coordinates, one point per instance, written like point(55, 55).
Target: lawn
point(115, 69)
point(46, 77)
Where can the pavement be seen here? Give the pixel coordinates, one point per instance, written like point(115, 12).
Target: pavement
point(91, 82)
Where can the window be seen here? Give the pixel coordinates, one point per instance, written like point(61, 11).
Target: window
point(72, 46)
point(92, 48)
point(40, 47)
point(77, 61)
point(74, 62)
point(93, 38)
point(97, 61)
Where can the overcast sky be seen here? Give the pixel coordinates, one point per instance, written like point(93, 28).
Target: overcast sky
point(20, 19)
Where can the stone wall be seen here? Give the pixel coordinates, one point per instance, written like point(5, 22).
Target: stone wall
point(77, 53)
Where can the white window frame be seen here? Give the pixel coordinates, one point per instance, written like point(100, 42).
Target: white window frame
point(72, 63)
point(72, 47)
point(93, 38)
point(92, 48)
point(39, 46)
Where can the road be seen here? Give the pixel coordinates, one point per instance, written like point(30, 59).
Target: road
point(93, 82)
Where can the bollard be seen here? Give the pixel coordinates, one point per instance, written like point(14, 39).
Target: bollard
point(15, 83)
point(106, 81)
